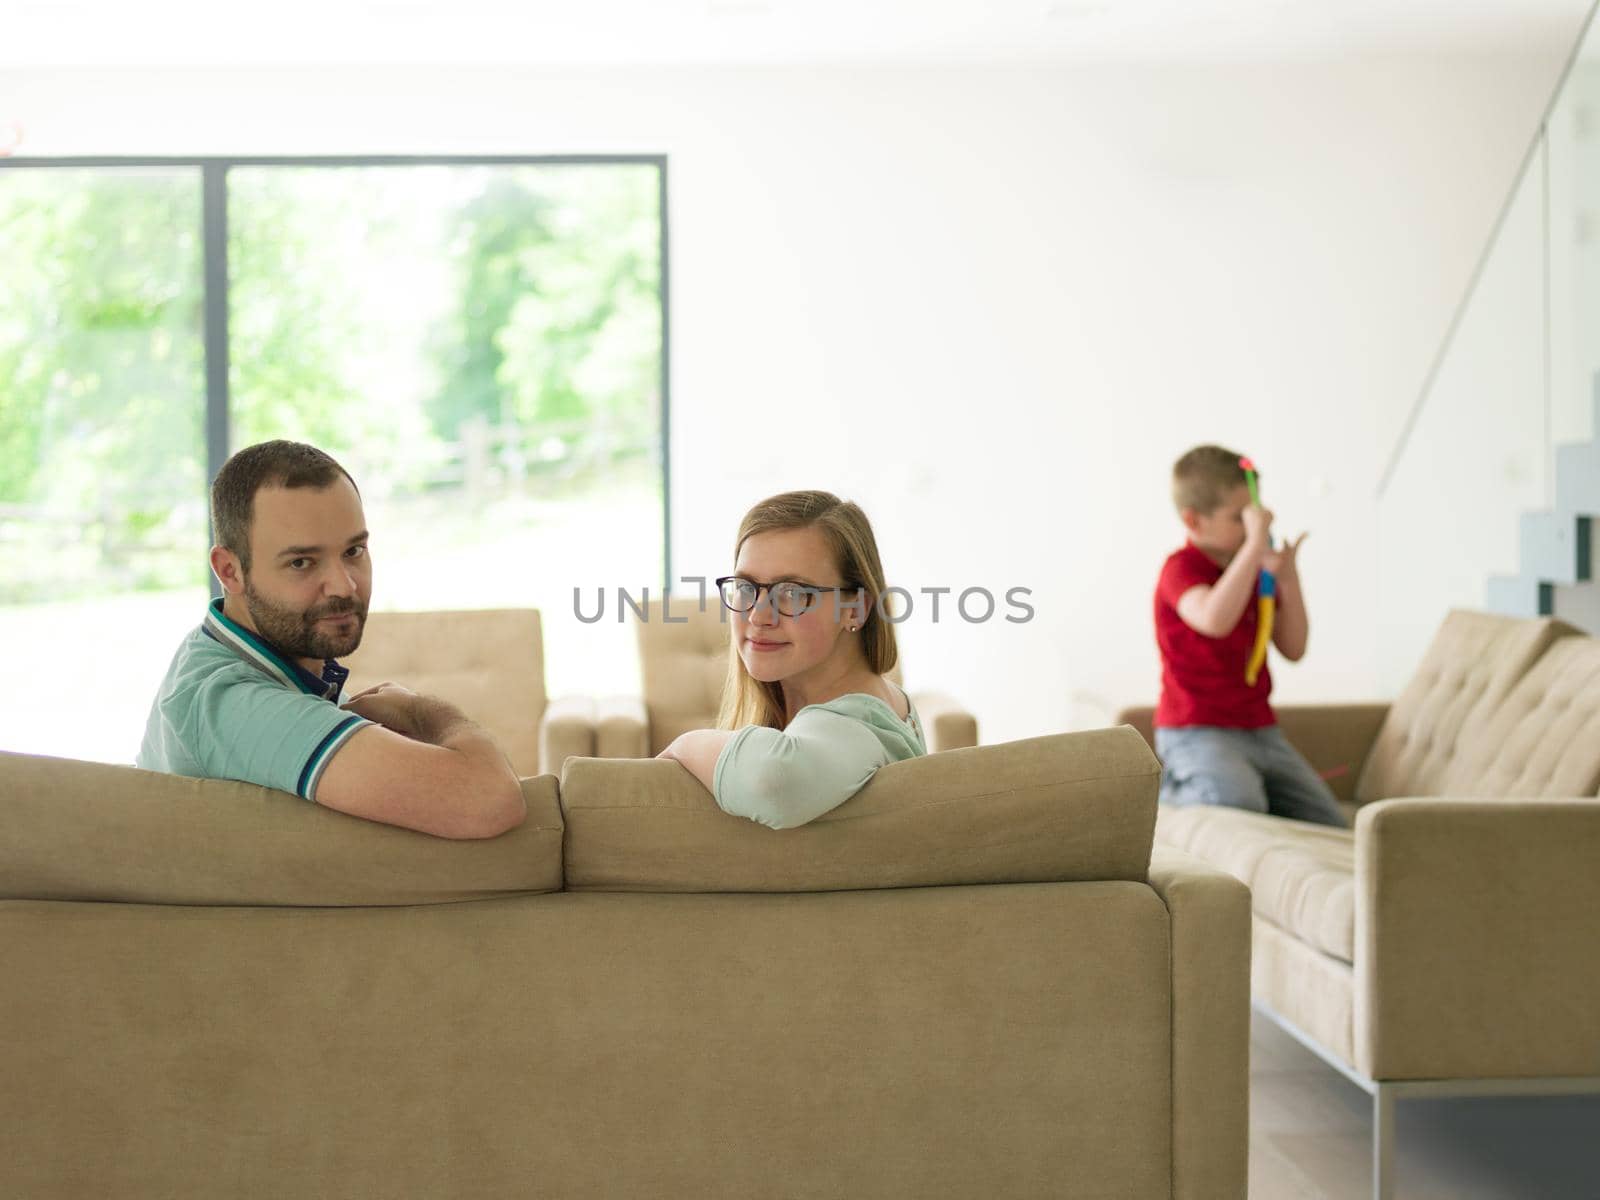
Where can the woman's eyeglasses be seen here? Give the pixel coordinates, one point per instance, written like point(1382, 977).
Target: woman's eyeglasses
point(790, 599)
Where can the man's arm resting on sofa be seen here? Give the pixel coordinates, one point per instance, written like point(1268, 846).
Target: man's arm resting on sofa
point(424, 766)
point(1478, 937)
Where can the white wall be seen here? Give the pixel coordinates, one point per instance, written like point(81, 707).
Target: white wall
point(1573, 154)
point(1517, 379)
point(1476, 459)
point(992, 304)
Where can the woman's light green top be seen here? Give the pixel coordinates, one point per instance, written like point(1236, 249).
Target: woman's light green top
point(786, 777)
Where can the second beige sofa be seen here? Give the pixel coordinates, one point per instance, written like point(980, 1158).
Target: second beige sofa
point(1449, 943)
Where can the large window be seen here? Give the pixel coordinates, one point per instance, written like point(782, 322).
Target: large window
point(480, 342)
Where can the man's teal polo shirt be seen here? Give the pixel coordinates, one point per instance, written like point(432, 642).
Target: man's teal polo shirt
point(232, 707)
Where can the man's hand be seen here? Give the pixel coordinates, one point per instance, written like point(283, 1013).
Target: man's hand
point(1257, 525)
point(385, 686)
point(1284, 562)
point(390, 705)
point(424, 766)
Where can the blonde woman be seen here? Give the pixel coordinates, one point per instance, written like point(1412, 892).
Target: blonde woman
point(808, 713)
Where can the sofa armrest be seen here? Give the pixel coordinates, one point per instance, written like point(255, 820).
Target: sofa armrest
point(947, 724)
point(1209, 912)
point(1335, 738)
point(622, 729)
point(1477, 938)
point(567, 730)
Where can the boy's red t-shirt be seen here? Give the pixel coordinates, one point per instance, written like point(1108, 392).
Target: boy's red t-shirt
point(1202, 678)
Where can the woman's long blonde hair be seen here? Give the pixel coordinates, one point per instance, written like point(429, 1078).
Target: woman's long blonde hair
point(748, 701)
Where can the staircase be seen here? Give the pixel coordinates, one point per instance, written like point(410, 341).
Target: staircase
point(1559, 546)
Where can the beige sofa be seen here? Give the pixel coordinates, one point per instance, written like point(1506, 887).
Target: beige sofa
point(968, 981)
point(1448, 944)
point(683, 664)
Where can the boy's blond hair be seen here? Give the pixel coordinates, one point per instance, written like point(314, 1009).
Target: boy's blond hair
point(1202, 478)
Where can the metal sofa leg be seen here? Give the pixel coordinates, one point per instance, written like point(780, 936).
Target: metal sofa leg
point(1382, 1142)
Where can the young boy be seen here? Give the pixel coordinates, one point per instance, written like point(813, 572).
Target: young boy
point(1217, 736)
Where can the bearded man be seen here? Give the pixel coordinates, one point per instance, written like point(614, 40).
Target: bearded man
point(254, 693)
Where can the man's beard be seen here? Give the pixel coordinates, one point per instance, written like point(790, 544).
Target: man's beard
point(295, 633)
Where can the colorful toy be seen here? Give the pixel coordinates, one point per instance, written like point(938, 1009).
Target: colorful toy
point(1266, 592)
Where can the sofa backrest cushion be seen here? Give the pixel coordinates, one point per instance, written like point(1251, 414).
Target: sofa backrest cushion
point(489, 663)
point(73, 830)
point(1074, 806)
point(1473, 663)
point(1544, 738)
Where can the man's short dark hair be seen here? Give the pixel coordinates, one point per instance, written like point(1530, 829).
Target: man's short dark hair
point(266, 464)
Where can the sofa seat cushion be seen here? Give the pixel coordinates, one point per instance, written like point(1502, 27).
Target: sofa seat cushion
point(1072, 806)
point(1301, 876)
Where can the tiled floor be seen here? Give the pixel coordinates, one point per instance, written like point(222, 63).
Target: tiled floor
point(1311, 1131)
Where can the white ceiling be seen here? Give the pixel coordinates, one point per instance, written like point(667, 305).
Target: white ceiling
point(141, 33)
